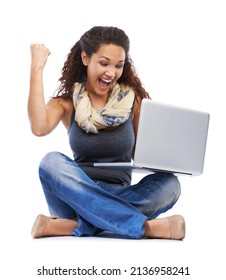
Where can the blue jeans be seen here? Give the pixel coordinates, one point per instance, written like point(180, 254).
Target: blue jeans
point(100, 206)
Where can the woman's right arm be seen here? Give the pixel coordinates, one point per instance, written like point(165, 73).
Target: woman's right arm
point(43, 117)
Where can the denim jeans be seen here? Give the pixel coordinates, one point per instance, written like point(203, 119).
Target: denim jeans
point(100, 206)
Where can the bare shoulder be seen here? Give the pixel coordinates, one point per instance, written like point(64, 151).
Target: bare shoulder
point(65, 103)
point(136, 113)
point(136, 107)
point(68, 110)
point(65, 106)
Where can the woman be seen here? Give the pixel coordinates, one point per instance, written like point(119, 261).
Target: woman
point(98, 102)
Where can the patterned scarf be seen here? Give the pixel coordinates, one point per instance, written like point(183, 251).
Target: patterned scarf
point(115, 112)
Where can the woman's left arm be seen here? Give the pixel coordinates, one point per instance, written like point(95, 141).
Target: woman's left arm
point(136, 117)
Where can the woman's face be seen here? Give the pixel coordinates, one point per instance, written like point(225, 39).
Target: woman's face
point(104, 68)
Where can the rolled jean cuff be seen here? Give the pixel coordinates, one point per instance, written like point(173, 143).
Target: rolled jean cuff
point(135, 232)
point(84, 228)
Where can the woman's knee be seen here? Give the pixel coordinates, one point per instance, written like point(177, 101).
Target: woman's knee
point(173, 185)
point(168, 183)
point(50, 159)
point(51, 162)
point(167, 192)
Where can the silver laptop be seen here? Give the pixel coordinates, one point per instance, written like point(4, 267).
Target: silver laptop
point(170, 139)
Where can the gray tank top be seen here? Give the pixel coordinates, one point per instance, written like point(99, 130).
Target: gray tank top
point(108, 145)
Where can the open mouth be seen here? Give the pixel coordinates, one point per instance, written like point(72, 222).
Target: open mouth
point(104, 82)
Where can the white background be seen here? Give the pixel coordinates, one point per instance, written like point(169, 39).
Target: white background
point(179, 50)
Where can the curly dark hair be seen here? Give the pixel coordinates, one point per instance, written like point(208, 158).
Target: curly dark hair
point(74, 70)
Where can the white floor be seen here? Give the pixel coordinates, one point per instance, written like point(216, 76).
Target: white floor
point(198, 251)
